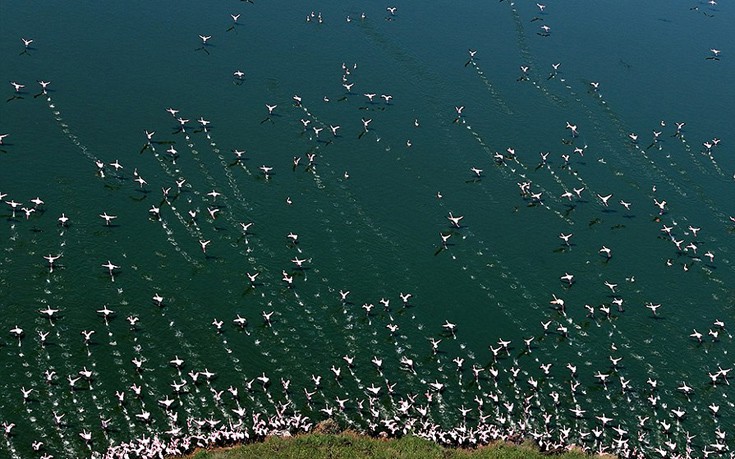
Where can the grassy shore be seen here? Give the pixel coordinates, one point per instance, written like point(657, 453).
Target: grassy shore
point(350, 446)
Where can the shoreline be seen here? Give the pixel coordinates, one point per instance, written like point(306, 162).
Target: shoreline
point(350, 443)
point(267, 437)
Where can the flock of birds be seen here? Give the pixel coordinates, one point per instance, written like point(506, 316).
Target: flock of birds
point(518, 390)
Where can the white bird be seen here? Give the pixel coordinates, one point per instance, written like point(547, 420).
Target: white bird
point(266, 170)
point(696, 335)
point(455, 220)
point(106, 312)
point(51, 259)
point(141, 181)
point(604, 199)
point(17, 332)
point(49, 312)
point(240, 321)
point(557, 301)
point(167, 402)
point(108, 218)
point(267, 317)
point(14, 205)
point(602, 377)
point(299, 262)
point(660, 204)
point(86, 436)
point(111, 268)
point(685, 388)
point(604, 419)
point(437, 386)
point(176, 362)
point(449, 326)
point(653, 307)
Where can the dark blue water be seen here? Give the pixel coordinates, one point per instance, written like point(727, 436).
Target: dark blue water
point(367, 214)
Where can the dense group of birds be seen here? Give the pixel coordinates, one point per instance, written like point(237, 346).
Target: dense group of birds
point(516, 391)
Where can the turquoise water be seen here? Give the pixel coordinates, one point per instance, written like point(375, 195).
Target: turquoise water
point(367, 214)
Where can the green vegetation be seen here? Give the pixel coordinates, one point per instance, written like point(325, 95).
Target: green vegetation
point(350, 446)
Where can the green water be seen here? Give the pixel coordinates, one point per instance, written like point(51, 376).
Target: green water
point(115, 67)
